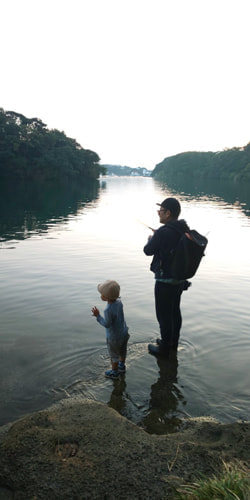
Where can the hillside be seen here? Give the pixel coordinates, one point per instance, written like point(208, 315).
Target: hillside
point(230, 164)
point(29, 150)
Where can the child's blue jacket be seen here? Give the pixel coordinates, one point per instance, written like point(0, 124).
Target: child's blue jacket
point(114, 322)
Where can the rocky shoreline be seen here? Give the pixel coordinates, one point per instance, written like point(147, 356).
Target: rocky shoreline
point(86, 450)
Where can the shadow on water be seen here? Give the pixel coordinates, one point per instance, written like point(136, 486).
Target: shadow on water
point(162, 413)
point(29, 208)
point(234, 193)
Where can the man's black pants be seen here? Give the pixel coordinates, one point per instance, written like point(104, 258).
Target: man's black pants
point(167, 306)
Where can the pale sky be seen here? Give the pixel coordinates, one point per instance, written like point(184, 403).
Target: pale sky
point(133, 80)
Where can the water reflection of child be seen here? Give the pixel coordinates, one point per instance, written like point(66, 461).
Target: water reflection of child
point(116, 328)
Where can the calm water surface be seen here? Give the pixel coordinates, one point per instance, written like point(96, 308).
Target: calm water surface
point(58, 243)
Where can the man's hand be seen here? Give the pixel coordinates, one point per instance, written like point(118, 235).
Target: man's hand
point(95, 311)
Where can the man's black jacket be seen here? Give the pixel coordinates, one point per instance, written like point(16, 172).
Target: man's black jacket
point(161, 245)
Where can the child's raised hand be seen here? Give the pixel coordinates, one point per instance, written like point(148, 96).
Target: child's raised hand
point(95, 311)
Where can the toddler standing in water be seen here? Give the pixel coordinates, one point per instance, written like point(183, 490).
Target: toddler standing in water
point(116, 329)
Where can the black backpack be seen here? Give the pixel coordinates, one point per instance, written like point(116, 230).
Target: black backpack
point(187, 255)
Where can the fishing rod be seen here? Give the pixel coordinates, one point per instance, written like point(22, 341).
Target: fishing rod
point(143, 223)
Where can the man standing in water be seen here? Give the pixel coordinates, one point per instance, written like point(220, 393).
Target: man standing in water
point(167, 289)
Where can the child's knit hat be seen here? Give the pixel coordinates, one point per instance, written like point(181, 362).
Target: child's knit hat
point(109, 289)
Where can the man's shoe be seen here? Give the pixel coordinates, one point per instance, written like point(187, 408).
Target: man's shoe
point(156, 350)
point(173, 347)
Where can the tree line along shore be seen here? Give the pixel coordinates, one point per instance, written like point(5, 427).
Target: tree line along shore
point(29, 150)
point(229, 164)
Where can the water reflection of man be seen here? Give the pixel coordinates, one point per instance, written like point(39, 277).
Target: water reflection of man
point(165, 396)
point(167, 290)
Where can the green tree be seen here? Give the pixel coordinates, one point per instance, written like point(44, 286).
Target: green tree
point(29, 150)
point(228, 164)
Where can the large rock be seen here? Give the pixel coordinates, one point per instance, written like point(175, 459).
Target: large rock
point(86, 450)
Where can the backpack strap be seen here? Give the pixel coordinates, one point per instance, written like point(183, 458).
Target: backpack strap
point(178, 229)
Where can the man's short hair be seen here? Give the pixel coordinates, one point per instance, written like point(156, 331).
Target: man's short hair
point(173, 205)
